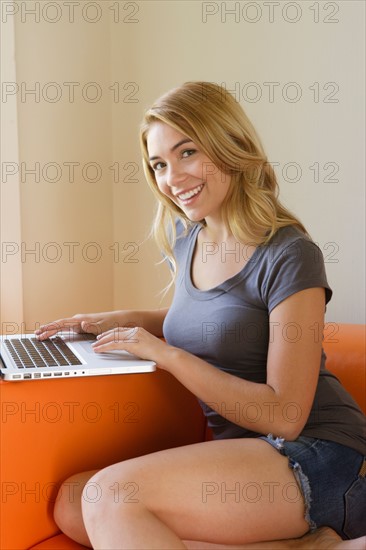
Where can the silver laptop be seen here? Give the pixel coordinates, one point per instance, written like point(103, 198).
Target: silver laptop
point(65, 355)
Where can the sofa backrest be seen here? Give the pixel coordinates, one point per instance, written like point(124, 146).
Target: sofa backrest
point(345, 348)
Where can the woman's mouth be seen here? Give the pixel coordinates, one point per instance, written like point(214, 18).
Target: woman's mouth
point(188, 196)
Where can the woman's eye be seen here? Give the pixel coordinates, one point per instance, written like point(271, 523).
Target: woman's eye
point(158, 166)
point(185, 154)
point(188, 152)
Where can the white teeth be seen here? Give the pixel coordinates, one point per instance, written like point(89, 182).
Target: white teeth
point(191, 193)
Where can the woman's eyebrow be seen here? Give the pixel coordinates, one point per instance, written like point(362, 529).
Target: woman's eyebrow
point(185, 140)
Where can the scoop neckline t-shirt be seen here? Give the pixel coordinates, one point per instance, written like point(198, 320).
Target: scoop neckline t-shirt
point(219, 289)
point(229, 327)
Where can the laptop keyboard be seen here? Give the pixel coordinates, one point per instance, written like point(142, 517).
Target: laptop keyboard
point(30, 353)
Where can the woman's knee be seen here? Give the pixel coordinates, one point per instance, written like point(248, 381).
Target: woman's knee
point(100, 488)
point(114, 487)
point(67, 510)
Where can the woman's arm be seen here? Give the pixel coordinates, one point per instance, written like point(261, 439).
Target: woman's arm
point(281, 405)
point(151, 320)
point(98, 323)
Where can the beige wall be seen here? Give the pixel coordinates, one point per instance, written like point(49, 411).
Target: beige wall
point(298, 73)
point(11, 291)
point(66, 218)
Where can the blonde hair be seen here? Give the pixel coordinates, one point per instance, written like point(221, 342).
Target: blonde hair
point(212, 118)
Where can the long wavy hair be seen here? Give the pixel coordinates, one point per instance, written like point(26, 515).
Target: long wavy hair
point(212, 118)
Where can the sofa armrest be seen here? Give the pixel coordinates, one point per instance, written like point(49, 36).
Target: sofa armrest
point(51, 429)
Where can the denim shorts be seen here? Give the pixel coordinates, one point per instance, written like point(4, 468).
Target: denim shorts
point(332, 479)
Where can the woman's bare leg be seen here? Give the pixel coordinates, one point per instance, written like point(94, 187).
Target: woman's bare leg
point(322, 539)
point(229, 492)
point(69, 518)
point(67, 511)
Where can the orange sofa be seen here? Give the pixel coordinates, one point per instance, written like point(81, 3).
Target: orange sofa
point(52, 429)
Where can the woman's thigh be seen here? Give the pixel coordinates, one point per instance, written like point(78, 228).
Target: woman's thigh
point(230, 491)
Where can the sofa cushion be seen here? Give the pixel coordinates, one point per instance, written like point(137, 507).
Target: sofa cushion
point(60, 542)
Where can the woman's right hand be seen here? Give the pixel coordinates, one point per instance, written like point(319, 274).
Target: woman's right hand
point(94, 323)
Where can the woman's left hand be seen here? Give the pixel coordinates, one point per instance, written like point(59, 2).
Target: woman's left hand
point(135, 340)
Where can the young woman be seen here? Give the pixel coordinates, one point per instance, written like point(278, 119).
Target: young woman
point(243, 334)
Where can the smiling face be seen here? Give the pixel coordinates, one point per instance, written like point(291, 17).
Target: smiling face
point(185, 175)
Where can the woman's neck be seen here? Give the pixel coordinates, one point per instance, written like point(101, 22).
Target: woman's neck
point(217, 231)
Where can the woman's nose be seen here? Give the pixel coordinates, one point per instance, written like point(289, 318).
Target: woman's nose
point(175, 175)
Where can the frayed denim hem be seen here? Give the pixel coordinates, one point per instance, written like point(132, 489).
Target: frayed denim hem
point(301, 479)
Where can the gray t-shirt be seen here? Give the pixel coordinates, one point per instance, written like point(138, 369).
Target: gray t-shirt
point(228, 326)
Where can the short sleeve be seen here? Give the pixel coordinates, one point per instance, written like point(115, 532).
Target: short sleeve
point(297, 267)
point(180, 233)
